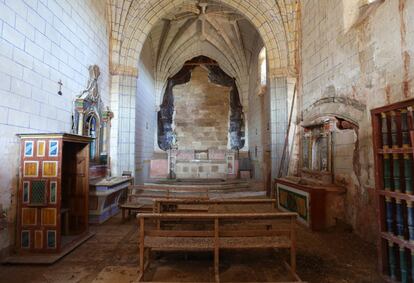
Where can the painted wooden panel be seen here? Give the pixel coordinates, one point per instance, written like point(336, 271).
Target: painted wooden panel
point(26, 190)
point(50, 168)
point(29, 216)
point(38, 239)
point(49, 216)
point(51, 239)
point(30, 168)
point(41, 148)
point(28, 148)
point(52, 192)
point(25, 239)
point(53, 148)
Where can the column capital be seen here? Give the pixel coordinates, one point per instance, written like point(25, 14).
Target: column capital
point(283, 72)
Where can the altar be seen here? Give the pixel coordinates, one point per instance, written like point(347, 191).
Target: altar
point(196, 164)
point(202, 164)
point(105, 196)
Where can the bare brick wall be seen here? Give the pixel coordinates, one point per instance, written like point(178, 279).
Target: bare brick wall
point(202, 113)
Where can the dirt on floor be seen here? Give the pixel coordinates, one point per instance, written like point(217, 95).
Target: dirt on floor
point(111, 255)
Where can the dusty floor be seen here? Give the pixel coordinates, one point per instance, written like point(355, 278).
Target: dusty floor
point(111, 256)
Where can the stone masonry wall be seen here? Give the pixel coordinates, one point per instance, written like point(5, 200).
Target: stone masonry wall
point(201, 113)
point(42, 42)
point(360, 67)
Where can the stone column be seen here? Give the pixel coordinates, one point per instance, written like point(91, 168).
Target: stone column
point(278, 119)
point(122, 142)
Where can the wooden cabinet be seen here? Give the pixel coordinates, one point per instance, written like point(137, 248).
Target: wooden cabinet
point(53, 192)
point(393, 138)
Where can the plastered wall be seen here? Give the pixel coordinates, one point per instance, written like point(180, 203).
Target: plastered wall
point(145, 122)
point(354, 59)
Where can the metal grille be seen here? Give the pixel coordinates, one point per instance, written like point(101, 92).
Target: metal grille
point(38, 192)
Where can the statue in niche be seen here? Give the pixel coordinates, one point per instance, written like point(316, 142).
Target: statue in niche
point(91, 119)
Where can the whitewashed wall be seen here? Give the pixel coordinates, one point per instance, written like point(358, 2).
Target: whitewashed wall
point(146, 115)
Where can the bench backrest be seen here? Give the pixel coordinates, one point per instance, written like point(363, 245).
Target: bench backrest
point(137, 192)
point(162, 205)
point(219, 224)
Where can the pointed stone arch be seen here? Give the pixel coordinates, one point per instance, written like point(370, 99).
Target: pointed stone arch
point(131, 23)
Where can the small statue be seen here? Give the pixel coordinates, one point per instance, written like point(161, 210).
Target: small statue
point(91, 90)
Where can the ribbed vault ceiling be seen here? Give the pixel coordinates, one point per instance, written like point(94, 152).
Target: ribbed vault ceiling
point(208, 28)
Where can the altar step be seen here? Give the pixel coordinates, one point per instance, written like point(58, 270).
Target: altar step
point(199, 186)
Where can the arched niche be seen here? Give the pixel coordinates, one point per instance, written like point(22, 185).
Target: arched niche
point(166, 136)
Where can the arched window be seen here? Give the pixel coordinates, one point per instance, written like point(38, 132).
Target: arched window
point(262, 72)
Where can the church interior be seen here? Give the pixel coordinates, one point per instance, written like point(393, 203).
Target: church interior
point(206, 141)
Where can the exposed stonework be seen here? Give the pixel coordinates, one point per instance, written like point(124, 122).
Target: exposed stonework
point(202, 113)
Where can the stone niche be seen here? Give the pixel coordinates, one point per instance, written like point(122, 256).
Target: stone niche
point(201, 109)
point(314, 195)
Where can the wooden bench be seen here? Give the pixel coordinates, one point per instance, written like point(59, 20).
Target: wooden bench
point(162, 205)
point(221, 231)
point(141, 199)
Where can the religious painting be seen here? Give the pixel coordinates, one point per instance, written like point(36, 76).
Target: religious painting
point(30, 168)
point(290, 199)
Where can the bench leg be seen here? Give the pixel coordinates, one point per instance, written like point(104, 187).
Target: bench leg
point(216, 266)
point(123, 214)
point(293, 258)
point(141, 250)
point(216, 251)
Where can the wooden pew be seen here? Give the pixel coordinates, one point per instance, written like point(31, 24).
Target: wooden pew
point(141, 199)
point(162, 205)
point(221, 231)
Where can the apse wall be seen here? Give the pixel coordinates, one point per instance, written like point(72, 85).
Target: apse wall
point(355, 58)
point(146, 116)
point(42, 42)
point(201, 113)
